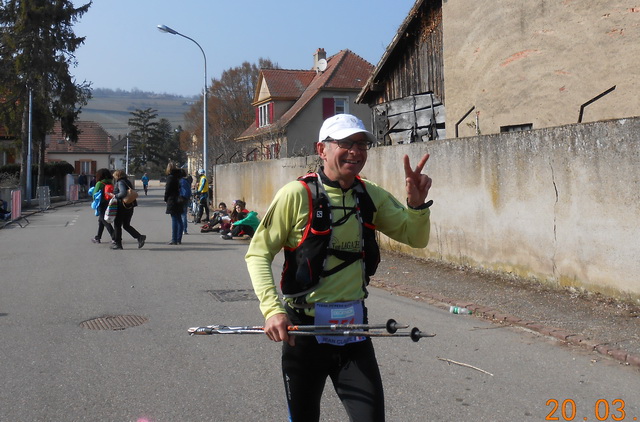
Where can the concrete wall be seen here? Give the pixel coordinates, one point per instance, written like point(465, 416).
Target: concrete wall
point(560, 204)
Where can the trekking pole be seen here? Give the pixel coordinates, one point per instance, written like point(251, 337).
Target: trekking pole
point(391, 326)
point(415, 334)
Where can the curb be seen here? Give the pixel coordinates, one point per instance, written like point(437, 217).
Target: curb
point(479, 311)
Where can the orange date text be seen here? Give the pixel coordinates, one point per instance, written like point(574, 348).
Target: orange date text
point(603, 410)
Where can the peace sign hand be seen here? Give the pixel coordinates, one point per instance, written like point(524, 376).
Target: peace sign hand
point(418, 184)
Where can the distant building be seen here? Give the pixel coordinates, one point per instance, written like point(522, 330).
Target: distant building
point(290, 105)
point(92, 151)
point(8, 150)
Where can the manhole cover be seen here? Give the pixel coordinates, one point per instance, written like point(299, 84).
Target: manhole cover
point(232, 295)
point(116, 322)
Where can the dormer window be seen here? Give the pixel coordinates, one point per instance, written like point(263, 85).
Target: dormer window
point(264, 115)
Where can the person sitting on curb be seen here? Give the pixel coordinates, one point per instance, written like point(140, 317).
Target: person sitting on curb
point(219, 220)
point(245, 227)
point(4, 213)
point(238, 212)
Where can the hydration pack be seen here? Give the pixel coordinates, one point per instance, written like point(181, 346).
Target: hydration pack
point(305, 264)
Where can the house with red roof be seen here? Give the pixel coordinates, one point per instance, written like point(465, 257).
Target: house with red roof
point(8, 150)
point(290, 105)
point(92, 151)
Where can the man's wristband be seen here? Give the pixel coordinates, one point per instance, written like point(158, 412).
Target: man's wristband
point(421, 207)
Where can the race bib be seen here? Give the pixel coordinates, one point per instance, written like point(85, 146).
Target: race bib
point(339, 313)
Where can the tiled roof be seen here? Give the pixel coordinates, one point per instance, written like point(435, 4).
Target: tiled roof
point(345, 71)
point(287, 84)
point(92, 139)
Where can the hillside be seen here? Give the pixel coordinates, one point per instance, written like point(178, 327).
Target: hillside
point(112, 109)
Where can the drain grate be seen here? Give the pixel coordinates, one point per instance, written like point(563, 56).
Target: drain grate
point(114, 322)
point(237, 295)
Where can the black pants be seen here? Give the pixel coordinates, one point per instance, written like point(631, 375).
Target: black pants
point(353, 370)
point(102, 224)
point(204, 206)
point(123, 221)
point(242, 229)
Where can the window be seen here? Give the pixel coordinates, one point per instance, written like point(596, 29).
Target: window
point(516, 128)
point(272, 151)
point(334, 105)
point(85, 167)
point(341, 105)
point(265, 114)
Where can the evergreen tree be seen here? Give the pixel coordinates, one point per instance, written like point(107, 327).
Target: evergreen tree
point(143, 138)
point(37, 46)
point(169, 149)
point(154, 143)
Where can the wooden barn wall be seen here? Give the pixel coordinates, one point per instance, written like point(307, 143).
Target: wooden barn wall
point(417, 65)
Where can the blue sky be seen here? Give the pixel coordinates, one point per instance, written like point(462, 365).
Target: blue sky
point(124, 49)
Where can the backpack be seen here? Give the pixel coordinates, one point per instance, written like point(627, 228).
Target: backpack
point(304, 264)
point(185, 188)
point(108, 192)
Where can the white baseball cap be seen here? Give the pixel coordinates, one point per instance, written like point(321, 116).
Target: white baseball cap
point(342, 126)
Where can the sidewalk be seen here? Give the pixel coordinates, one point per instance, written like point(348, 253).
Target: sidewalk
point(58, 201)
point(591, 321)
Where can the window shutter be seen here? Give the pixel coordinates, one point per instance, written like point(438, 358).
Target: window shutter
point(77, 167)
point(327, 108)
point(271, 113)
point(257, 117)
point(94, 167)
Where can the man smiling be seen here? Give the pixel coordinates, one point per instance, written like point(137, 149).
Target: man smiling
point(326, 223)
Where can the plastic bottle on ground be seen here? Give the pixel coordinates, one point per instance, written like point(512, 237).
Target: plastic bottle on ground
point(458, 310)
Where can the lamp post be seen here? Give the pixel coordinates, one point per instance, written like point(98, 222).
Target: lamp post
point(30, 137)
point(165, 28)
point(126, 165)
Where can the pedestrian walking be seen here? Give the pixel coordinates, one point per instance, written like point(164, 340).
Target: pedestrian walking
point(83, 182)
point(103, 188)
point(145, 183)
point(125, 211)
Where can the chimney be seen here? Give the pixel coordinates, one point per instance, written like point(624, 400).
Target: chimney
point(320, 54)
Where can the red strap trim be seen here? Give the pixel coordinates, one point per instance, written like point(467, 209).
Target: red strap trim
point(308, 227)
point(369, 226)
point(321, 233)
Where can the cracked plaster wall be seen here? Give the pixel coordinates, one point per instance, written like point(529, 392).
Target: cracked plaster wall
point(559, 204)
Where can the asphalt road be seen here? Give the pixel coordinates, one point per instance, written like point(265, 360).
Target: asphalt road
point(53, 368)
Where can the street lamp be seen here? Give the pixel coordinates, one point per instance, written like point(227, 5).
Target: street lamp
point(165, 28)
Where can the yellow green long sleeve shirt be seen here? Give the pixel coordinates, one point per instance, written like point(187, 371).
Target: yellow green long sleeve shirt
point(283, 226)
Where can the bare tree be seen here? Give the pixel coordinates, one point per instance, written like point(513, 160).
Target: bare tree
point(229, 109)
